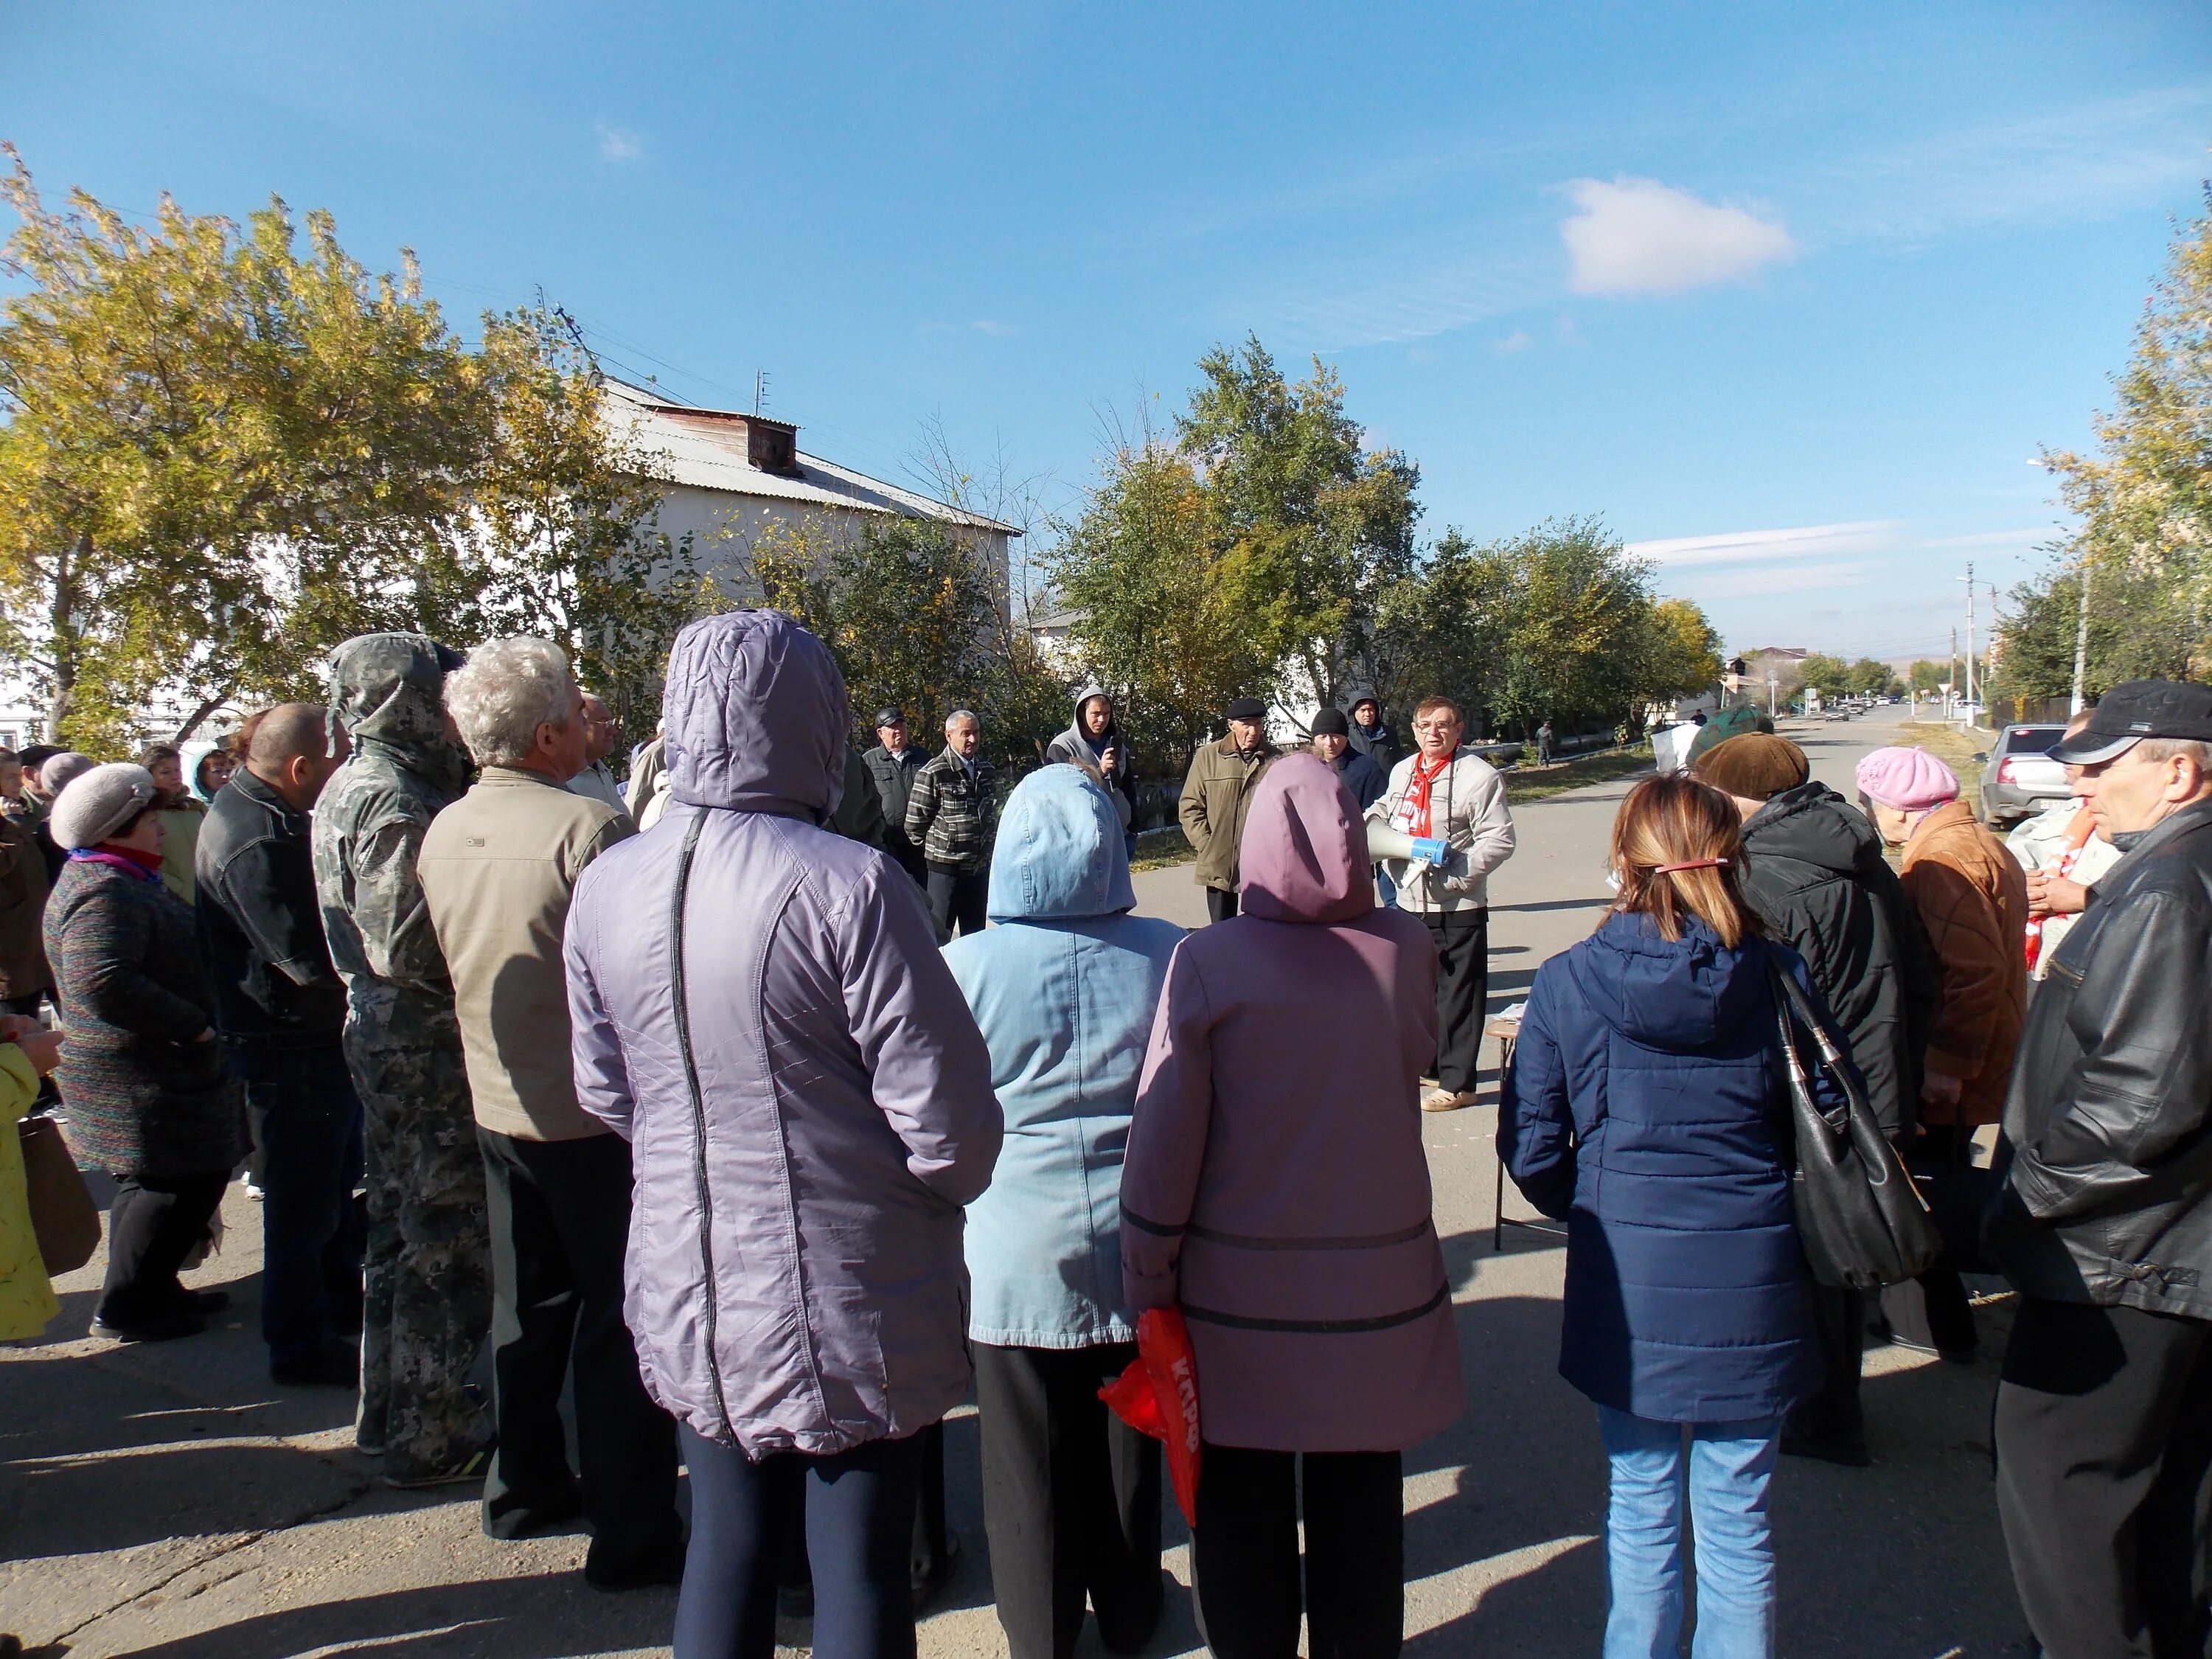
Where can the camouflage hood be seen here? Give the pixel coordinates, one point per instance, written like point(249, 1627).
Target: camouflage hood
point(388, 692)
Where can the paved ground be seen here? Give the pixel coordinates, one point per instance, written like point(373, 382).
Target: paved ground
point(167, 1501)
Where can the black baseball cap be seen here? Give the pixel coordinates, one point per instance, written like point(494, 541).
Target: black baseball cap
point(2133, 710)
point(890, 717)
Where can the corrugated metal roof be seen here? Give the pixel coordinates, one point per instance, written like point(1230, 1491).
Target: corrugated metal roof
point(706, 448)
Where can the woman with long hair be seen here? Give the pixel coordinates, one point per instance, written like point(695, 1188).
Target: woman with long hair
point(1647, 1106)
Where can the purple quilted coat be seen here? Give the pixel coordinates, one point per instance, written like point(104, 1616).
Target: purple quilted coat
point(795, 1279)
point(1275, 1186)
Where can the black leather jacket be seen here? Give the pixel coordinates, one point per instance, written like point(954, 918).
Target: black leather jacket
point(260, 925)
point(2107, 1148)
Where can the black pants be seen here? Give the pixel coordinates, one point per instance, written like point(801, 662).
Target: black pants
point(308, 1122)
point(559, 1213)
point(1071, 1499)
point(1462, 942)
point(1220, 906)
point(1245, 1553)
point(1934, 1311)
point(958, 898)
point(2104, 1441)
point(152, 1226)
point(1839, 1325)
point(858, 1509)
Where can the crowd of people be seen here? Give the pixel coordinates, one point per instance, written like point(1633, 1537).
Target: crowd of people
point(778, 1100)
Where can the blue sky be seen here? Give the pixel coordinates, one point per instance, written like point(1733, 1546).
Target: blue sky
point(1790, 294)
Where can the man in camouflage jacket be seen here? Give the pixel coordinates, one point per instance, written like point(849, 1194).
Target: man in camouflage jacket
point(427, 1271)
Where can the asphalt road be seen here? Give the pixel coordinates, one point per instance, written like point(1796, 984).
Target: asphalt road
point(168, 1501)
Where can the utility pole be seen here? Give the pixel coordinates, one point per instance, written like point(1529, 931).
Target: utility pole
point(1772, 680)
point(1970, 643)
point(1951, 696)
point(2080, 637)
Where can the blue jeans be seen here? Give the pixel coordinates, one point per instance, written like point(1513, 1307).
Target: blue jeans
point(1730, 1465)
point(308, 1122)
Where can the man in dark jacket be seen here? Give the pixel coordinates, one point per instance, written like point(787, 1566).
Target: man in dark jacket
point(1370, 736)
point(1093, 740)
point(893, 764)
point(1332, 741)
point(281, 1006)
point(952, 815)
point(1814, 871)
point(2103, 1223)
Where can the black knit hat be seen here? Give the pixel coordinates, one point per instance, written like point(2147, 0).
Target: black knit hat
point(1331, 722)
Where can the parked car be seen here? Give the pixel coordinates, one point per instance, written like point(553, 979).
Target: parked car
point(2020, 777)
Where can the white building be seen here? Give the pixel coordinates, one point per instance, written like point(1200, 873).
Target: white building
point(730, 477)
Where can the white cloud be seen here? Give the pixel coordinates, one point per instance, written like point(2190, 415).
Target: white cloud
point(989, 325)
point(1639, 236)
point(619, 143)
point(1518, 340)
point(1754, 546)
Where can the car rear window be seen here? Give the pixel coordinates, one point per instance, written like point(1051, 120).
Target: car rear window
point(2033, 739)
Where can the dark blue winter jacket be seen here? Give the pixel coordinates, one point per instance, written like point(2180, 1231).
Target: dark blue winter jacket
point(1645, 1105)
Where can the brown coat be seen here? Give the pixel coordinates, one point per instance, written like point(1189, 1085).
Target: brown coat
point(23, 970)
point(1971, 897)
point(1215, 795)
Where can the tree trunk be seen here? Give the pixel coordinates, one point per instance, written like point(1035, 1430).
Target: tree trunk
point(207, 705)
point(61, 617)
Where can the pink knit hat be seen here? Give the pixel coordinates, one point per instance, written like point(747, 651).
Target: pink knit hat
point(1909, 779)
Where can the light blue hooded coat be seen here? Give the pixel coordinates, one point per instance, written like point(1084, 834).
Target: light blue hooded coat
point(1064, 989)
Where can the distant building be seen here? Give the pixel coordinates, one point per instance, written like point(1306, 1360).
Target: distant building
point(731, 476)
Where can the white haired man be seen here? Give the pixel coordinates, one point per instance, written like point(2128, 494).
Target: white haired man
point(499, 867)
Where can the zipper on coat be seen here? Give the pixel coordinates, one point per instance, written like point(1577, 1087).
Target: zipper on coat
point(698, 1112)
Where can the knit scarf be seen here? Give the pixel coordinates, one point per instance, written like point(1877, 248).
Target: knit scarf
point(1412, 814)
point(147, 867)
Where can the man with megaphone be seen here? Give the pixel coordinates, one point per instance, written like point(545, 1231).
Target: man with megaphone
point(1439, 831)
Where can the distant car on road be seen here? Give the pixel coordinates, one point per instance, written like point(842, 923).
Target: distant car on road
point(2020, 777)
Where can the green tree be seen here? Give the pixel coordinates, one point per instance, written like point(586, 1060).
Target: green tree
point(1680, 655)
point(2143, 499)
point(1163, 608)
point(1870, 679)
point(214, 443)
point(1445, 631)
point(2139, 629)
point(1830, 676)
point(1577, 623)
point(1927, 675)
point(1321, 527)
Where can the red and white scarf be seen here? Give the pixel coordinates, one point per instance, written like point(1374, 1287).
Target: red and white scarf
point(1412, 814)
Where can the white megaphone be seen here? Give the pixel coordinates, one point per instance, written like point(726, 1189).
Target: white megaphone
point(1385, 842)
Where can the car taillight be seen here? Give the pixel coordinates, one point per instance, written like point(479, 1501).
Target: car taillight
point(2005, 770)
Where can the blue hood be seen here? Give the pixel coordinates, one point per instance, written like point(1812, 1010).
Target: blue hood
point(755, 715)
point(1678, 995)
point(1059, 854)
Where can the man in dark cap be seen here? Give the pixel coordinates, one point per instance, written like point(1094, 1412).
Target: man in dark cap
point(1214, 796)
point(893, 765)
point(1814, 871)
point(2104, 1221)
point(1332, 741)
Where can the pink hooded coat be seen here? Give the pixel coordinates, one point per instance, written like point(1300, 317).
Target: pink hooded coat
point(1276, 1186)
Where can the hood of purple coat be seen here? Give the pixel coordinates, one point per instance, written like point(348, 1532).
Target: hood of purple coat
point(1304, 853)
point(755, 715)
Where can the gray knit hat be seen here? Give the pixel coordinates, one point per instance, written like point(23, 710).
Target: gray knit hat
point(98, 803)
point(60, 769)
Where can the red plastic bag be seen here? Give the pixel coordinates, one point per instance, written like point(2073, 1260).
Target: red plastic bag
point(1157, 1395)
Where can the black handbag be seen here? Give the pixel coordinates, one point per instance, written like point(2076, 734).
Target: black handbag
point(1862, 1223)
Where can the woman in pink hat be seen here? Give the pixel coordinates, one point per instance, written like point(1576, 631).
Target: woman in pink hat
point(1972, 897)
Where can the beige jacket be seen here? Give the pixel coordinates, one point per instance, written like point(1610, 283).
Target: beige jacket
point(1467, 807)
point(498, 868)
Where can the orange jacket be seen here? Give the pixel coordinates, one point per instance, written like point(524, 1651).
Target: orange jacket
point(1971, 897)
